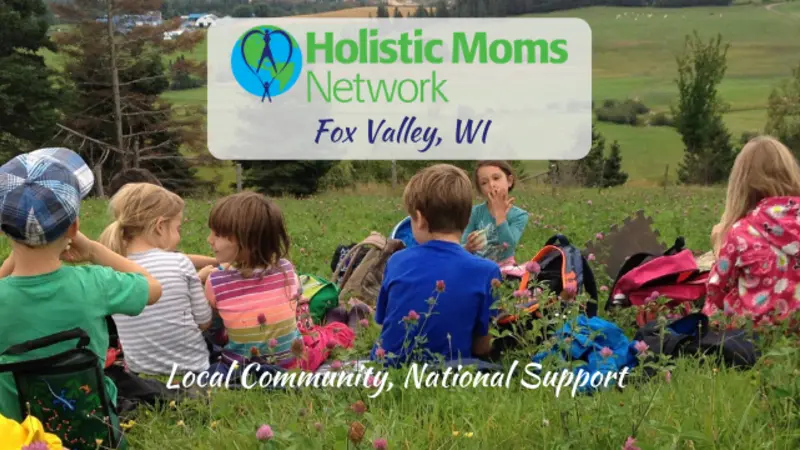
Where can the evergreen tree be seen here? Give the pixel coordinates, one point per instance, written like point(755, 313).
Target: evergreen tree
point(441, 9)
point(420, 11)
point(708, 154)
point(119, 114)
point(383, 10)
point(397, 13)
point(275, 178)
point(29, 99)
point(612, 168)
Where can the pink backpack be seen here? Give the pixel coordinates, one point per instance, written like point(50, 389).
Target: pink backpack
point(644, 278)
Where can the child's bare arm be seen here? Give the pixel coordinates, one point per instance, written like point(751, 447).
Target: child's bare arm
point(201, 261)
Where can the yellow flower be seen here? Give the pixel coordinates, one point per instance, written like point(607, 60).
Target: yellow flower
point(172, 404)
point(16, 435)
point(127, 426)
point(181, 424)
point(468, 434)
point(455, 433)
point(214, 425)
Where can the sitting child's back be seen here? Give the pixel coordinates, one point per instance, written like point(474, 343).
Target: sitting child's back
point(461, 311)
point(259, 311)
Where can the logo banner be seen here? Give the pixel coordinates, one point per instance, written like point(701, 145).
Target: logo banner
point(399, 89)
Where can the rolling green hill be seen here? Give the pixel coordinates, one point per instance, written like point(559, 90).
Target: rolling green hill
point(634, 57)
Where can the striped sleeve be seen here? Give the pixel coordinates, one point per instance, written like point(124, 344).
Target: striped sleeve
point(201, 311)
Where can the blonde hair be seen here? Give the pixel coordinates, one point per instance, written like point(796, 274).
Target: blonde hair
point(136, 209)
point(764, 168)
point(442, 193)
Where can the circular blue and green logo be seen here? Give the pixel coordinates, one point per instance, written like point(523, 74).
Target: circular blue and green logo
point(266, 61)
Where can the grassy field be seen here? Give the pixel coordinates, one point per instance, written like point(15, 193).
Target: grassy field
point(634, 57)
point(697, 406)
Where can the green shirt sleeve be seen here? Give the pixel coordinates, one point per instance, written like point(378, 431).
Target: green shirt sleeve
point(123, 293)
point(510, 231)
point(470, 228)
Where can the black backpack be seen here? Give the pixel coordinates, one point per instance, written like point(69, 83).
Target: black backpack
point(691, 335)
point(66, 392)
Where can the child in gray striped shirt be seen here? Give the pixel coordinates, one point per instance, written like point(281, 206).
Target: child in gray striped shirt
point(146, 230)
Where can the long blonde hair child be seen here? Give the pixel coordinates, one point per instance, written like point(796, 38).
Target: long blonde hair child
point(764, 168)
point(141, 209)
point(146, 229)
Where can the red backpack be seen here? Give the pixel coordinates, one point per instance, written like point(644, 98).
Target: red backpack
point(674, 275)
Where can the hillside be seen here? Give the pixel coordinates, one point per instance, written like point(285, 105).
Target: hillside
point(634, 57)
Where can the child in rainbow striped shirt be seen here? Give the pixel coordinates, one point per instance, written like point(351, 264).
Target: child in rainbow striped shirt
point(258, 292)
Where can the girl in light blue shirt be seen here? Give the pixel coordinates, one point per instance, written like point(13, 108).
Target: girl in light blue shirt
point(496, 225)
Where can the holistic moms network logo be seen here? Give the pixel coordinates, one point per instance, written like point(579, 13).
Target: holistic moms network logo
point(266, 61)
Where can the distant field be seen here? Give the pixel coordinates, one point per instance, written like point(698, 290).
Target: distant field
point(634, 57)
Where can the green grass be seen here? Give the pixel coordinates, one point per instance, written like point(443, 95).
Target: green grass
point(703, 407)
point(634, 57)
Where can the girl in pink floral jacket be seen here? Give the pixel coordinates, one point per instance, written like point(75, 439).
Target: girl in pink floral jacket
point(757, 242)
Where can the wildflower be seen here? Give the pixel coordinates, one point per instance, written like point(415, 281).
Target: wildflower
point(589, 202)
point(372, 381)
point(468, 434)
point(668, 377)
point(590, 257)
point(298, 347)
point(172, 404)
point(318, 426)
point(605, 352)
point(599, 236)
point(214, 425)
point(440, 286)
point(629, 444)
point(380, 353)
point(455, 433)
point(262, 319)
point(380, 444)
point(364, 323)
point(273, 343)
point(570, 290)
point(641, 347)
point(654, 295)
point(356, 432)
point(505, 245)
point(533, 267)
point(522, 293)
point(496, 283)
point(336, 365)
point(412, 316)
point(359, 407)
point(545, 422)
point(604, 288)
point(180, 423)
point(99, 442)
point(264, 433)
point(254, 352)
point(40, 445)
point(127, 425)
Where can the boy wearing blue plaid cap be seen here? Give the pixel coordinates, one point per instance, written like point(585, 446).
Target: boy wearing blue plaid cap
point(40, 199)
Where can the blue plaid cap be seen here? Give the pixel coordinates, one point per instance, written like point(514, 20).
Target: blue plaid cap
point(41, 193)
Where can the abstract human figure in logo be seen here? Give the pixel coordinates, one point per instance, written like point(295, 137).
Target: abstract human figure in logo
point(266, 52)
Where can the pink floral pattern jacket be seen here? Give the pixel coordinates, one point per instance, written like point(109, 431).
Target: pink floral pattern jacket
point(757, 272)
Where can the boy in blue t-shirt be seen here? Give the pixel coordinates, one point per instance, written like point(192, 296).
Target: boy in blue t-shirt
point(436, 299)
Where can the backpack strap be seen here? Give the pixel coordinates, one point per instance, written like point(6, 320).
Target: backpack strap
point(46, 341)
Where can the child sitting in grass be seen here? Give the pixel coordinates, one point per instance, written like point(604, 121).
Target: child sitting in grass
point(495, 226)
point(436, 299)
point(757, 242)
point(146, 229)
point(40, 199)
point(258, 293)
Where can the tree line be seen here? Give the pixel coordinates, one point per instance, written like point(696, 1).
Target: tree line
point(106, 104)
